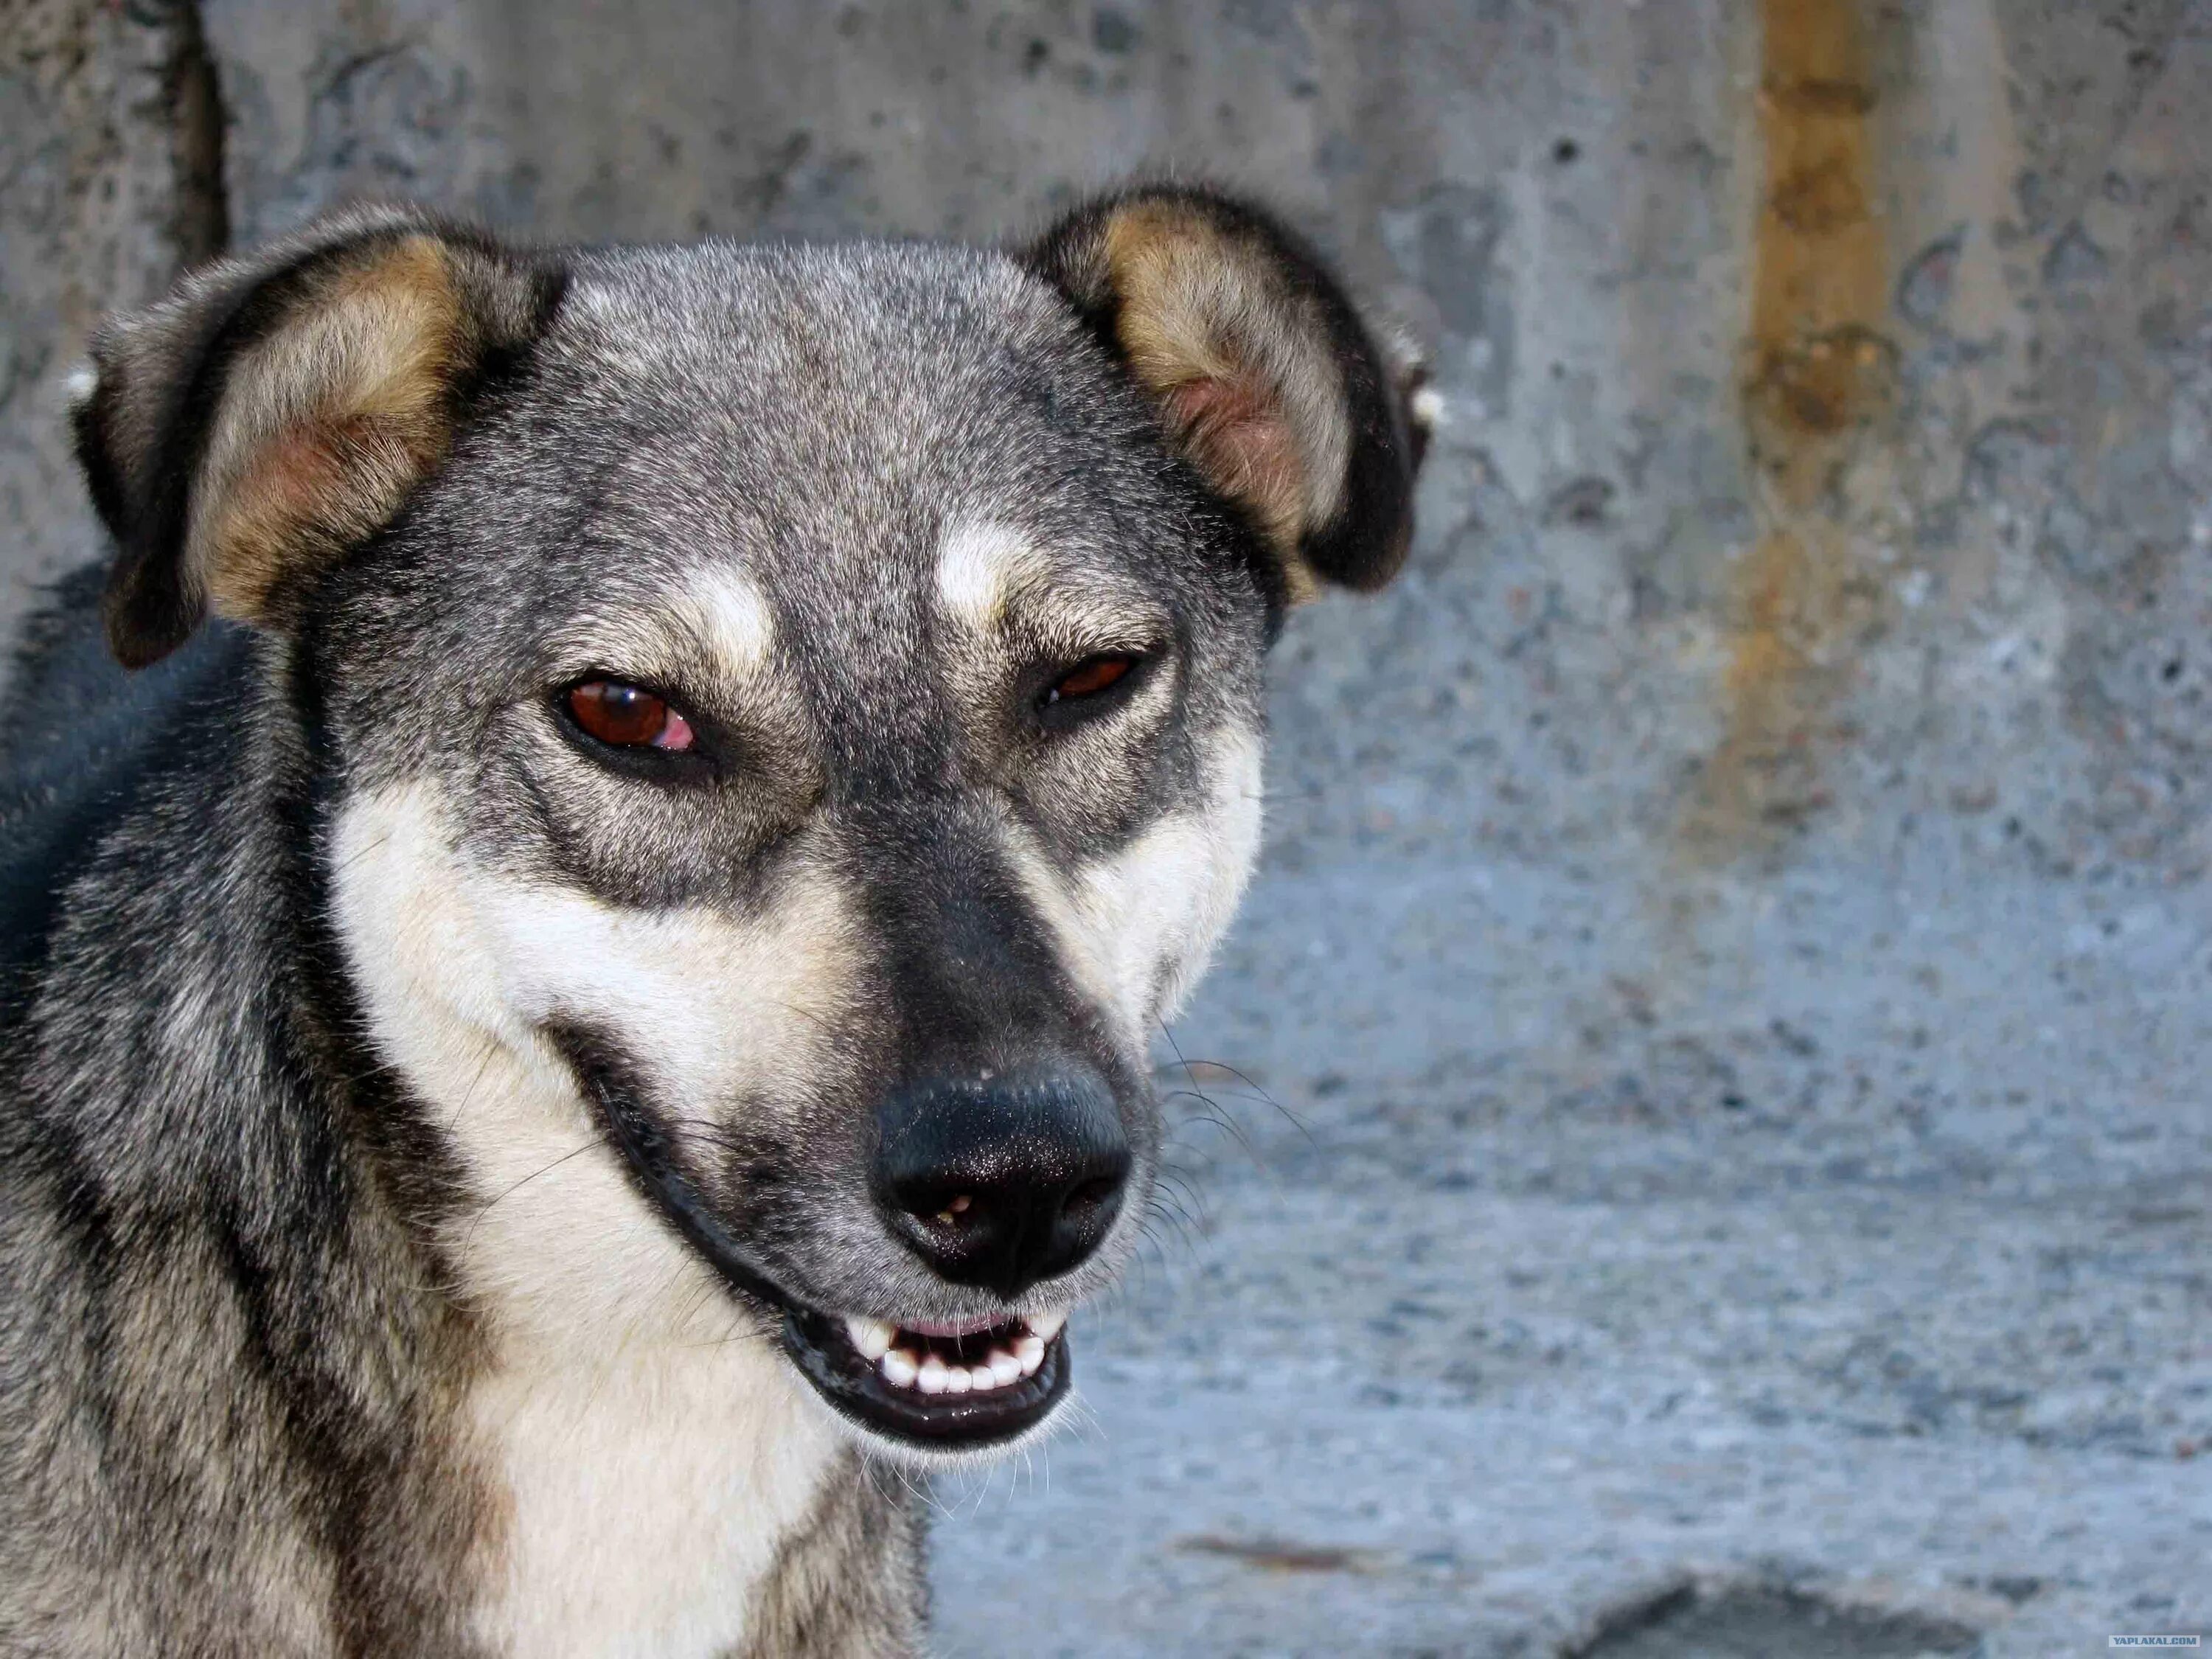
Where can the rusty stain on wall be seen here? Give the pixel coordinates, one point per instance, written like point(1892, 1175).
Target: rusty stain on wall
point(1818, 375)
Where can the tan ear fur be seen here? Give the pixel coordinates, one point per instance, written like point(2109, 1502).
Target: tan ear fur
point(1239, 361)
point(1264, 377)
point(246, 433)
point(329, 422)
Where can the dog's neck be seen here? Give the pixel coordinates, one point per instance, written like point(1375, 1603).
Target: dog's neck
point(645, 1494)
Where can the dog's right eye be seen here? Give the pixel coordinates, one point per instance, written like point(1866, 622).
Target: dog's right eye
point(624, 716)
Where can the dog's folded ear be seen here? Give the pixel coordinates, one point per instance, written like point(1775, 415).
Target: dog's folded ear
point(273, 412)
point(1261, 369)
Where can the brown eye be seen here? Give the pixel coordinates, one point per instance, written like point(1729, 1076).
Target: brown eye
point(1088, 680)
point(627, 716)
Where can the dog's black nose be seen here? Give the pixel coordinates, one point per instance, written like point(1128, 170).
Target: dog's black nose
point(1002, 1182)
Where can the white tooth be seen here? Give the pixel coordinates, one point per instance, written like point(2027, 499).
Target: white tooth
point(873, 1337)
point(1004, 1368)
point(983, 1377)
point(899, 1369)
point(957, 1380)
point(1045, 1327)
point(932, 1376)
point(1030, 1350)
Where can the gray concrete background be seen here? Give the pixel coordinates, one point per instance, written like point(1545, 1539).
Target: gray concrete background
point(1730, 968)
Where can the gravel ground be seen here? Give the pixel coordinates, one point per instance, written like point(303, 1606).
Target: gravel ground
point(1797, 1334)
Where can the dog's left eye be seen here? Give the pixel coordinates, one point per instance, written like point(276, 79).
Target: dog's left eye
point(1088, 679)
point(629, 716)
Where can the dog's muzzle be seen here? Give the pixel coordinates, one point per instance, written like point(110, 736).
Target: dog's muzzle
point(996, 1184)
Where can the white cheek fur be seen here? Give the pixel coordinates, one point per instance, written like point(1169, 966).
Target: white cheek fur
point(1137, 926)
point(459, 967)
point(630, 1415)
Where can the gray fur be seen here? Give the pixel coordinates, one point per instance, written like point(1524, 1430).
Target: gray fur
point(248, 1310)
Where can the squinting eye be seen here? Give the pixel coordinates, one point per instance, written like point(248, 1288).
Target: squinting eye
point(1088, 680)
point(627, 716)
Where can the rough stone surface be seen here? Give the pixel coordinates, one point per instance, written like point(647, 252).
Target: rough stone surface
point(109, 145)
point(1734, 932)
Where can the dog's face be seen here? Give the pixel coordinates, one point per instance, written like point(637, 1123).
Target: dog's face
point(790, 726)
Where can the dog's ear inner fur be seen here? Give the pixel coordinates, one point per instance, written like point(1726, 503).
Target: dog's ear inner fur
point(1262, 373)
point(272, 413)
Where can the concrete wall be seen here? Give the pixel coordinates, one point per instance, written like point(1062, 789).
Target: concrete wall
point(1795, 435)
point(110, 159)
point(1782, 768)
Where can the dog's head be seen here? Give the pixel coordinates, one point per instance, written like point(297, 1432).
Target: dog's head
point(787, 724)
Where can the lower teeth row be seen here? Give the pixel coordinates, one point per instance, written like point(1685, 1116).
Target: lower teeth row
point(902, 1368)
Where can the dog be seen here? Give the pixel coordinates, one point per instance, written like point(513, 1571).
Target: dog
point(584, 1009)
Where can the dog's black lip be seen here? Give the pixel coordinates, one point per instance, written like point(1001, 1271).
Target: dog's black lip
point(815, 1342)
point(826, 1358)
point(644, 1146)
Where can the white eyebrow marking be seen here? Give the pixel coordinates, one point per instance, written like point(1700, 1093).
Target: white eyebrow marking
point(981, 563)
point(986, 570)
point(731, 617)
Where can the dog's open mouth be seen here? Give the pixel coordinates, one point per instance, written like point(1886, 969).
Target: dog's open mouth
point(941, 1386)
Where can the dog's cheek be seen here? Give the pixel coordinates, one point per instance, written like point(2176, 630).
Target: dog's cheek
point(1137, 926)
point(715, 1009)
point(551, 1244)
point(459, 970)
point(417, 951)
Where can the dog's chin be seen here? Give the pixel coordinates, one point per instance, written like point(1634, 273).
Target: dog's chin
point(922, 1397)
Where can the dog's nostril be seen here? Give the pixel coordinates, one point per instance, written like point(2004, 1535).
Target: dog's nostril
point(951, 1214)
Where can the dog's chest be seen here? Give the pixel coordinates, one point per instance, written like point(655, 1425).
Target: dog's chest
point(641, 1501)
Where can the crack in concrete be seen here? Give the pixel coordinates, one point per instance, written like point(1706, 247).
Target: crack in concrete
point(200, 220)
